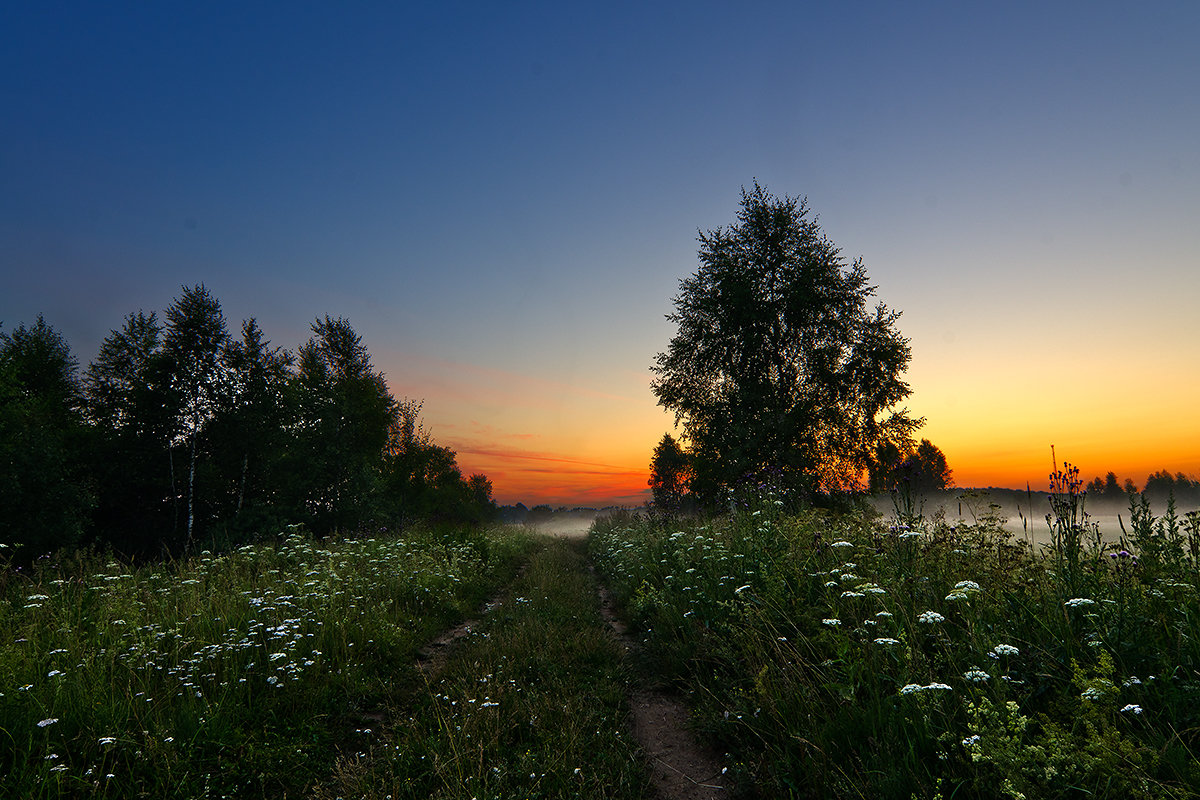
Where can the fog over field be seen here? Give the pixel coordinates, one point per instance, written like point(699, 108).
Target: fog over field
point(1024, 513)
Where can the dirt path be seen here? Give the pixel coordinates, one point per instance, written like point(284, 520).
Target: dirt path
point(432, 657)
point(681, 768)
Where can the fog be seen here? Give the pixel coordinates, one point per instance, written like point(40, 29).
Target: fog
point(1024, 514)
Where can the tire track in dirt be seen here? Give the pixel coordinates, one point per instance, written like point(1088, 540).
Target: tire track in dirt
point(680, 767)
point(432, 657)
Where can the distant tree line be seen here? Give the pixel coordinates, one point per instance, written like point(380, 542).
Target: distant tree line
point(179, 433)
point(1158, 488)
point(912, 470)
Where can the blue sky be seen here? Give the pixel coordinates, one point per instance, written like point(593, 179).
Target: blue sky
point(503, 197)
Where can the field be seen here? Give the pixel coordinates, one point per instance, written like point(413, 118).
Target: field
point(244, 674)
point(836, 657)
point(824, 655)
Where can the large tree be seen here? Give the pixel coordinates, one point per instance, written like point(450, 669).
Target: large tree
point(779, 364)
point(248, 437)
point(44, 489)
point(193, 343)
point(132, 419)
point(346, 417)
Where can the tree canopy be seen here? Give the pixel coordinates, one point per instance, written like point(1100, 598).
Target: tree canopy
point(180, 434)
point(779, 364)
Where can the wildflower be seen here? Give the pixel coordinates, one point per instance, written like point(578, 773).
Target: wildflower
point(911, 688)
point(1132, 708)
point(976, 675)
point(1131, 681)
point(1091, 693)
point(831, 584)
point(886, 641)
point(108, 740)
point(54, 672)
point(930, 618)
point(46, 722)
point(1004, 650)
point(971, 741)
point(966, 586)
point(955, 596)
point(939, 687)
point(831, 622)
point(1076, 602)
point(853, 594)
point(841, 544)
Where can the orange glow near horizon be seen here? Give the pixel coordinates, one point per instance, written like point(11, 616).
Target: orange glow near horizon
point(589, 443)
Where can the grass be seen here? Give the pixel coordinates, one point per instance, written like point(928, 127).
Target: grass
point(829, 656)
point(843, 657)
point(238, 675)
point(530, 705)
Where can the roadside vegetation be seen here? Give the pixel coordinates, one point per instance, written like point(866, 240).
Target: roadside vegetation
point(840, 656)
point(245, 674)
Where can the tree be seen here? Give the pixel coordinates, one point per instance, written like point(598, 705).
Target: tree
point(248, 435)
point(920, 470)
point(670, 470)
point(44, 485)
point(346, 417)
point(195, 338)
point(927, 468)
point(128, 407)
point(778, 363)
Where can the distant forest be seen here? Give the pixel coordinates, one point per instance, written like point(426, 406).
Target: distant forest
point(180, 435)
point(1159, 487)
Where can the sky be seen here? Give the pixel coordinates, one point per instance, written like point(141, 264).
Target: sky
point(503, 197)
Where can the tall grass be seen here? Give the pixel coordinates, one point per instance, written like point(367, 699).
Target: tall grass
point(846, 657)
point(242, 674)
point(530, 704)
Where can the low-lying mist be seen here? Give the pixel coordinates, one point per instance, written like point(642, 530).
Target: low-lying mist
point(1024, 514)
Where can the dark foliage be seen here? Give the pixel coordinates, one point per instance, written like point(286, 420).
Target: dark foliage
point(779, 361)
point(182, 435)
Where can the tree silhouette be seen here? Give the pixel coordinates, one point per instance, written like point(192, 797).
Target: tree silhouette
point(43, 482)
point(132, 464)
point(346, 417)
point(778, 362)
point(193, 343)
point(249, 436)
point(670, 470)
point(920, 470)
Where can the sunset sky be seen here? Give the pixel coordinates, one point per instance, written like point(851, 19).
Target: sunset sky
point(503, 197)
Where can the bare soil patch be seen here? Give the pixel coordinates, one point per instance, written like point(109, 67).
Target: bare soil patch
point(680, 767)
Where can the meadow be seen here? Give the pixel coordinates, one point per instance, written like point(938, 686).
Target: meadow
point(827, 655)
point(850, 656)
point(245, 674)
